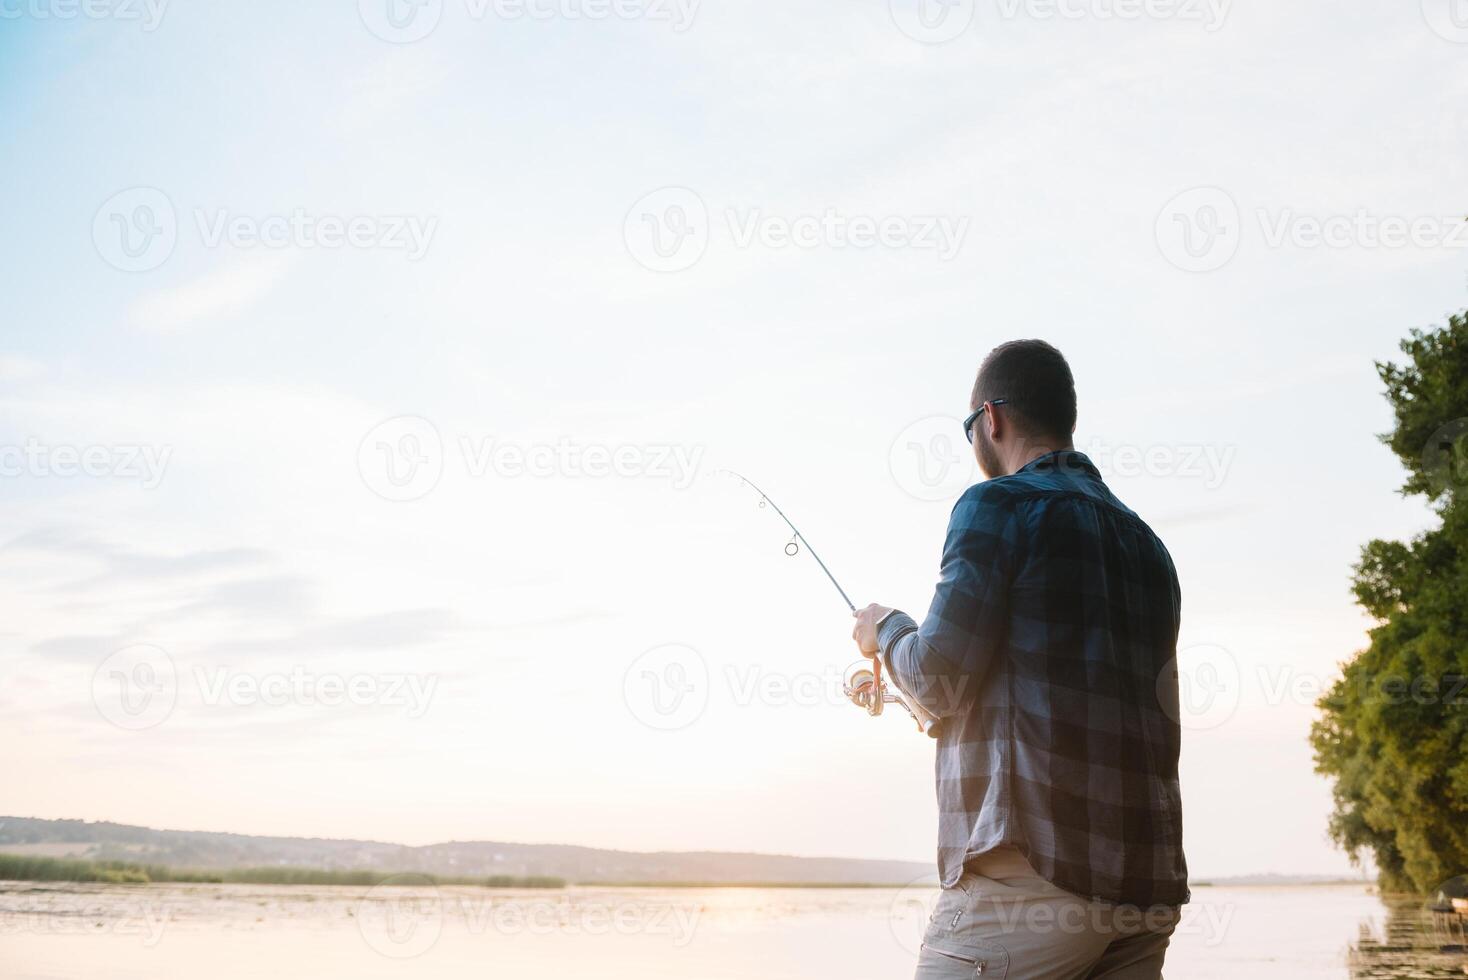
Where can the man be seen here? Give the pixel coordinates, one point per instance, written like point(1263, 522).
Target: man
point(1049, 655)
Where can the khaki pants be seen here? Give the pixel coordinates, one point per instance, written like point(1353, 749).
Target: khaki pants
point(1004, 921)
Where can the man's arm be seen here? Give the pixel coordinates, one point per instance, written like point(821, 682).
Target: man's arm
point(941, 663)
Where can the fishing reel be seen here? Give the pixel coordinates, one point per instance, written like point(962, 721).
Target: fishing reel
point(865, 688)
point(863, 682)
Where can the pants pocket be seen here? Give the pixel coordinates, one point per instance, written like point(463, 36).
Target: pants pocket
point(949, 962)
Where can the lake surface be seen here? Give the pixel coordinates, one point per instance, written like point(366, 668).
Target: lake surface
point(67, 932)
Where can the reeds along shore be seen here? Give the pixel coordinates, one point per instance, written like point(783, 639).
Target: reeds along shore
point(18, 867)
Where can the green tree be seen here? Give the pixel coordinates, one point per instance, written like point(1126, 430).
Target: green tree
point(1392, 729)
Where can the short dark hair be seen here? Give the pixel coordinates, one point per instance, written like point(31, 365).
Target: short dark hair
point(1033, 376)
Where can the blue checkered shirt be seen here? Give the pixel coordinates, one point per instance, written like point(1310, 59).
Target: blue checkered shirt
point(1049, 652)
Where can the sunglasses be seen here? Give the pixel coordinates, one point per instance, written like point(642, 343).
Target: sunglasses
point(968, 423)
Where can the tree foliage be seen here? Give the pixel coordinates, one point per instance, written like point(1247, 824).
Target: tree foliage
point(1392, 730)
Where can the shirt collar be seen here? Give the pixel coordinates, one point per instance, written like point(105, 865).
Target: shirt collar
point(1065, 460)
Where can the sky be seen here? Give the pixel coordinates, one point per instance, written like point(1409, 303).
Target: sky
point(371, 376)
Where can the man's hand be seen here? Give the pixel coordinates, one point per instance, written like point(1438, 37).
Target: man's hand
point(865, 631)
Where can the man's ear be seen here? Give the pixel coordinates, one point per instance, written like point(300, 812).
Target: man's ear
point(992, 420)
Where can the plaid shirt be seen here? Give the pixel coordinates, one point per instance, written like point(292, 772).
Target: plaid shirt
point(1049, 653)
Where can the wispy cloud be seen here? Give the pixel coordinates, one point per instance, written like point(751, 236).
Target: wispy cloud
point(315, 635)
point(123, 564)
point(17, 367)
point(267, 595)
point(226, 290)
point(82, 647)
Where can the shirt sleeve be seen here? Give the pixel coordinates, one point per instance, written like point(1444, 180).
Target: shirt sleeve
point(941, 664)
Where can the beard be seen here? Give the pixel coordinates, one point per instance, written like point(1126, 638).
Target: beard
point(989, 462)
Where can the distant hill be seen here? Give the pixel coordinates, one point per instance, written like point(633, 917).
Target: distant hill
point(101, 840)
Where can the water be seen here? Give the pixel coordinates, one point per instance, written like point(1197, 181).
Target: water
point(61, 931)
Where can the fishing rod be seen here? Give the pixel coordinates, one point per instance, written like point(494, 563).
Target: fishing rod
point(863, 683)
point(793, 548)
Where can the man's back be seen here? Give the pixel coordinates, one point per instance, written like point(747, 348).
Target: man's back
point(1049, 650)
